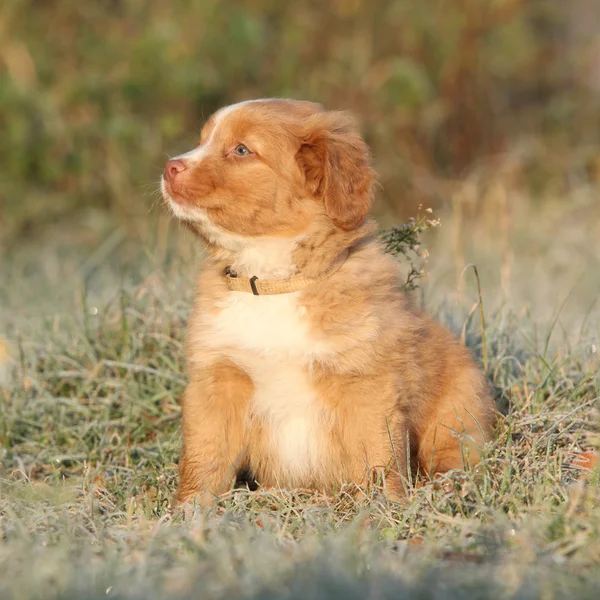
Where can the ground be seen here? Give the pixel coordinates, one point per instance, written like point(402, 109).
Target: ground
point(89, 438)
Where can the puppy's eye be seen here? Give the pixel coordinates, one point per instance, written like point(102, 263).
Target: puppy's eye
point(241, 150)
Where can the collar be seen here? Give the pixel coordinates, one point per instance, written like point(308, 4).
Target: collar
point(268, 287)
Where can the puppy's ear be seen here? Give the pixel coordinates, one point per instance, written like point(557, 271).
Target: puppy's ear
point(336, 164)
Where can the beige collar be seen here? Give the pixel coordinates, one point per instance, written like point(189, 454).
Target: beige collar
point(266, 287)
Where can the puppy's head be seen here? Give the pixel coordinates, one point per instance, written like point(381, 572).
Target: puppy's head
point(270, 168)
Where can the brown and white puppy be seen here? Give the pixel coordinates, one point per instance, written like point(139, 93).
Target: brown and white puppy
point(307, 366)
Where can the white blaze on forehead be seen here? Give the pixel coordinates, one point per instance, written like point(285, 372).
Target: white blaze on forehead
point(196, 154)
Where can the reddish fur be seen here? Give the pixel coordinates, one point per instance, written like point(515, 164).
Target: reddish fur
point(335, 160)
point(391, 376)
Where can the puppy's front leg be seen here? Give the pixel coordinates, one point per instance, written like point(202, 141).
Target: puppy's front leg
point(215, 404)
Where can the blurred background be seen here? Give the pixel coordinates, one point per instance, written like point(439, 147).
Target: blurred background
point(487, 111)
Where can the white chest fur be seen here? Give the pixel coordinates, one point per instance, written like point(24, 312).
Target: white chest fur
point(269, 337)
point(269, 325)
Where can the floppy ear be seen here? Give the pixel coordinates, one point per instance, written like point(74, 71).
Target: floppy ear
point(336, 164)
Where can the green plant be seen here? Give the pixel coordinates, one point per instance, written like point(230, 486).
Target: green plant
point(405, 241)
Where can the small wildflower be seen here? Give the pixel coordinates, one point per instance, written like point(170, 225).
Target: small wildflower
point(405, 240)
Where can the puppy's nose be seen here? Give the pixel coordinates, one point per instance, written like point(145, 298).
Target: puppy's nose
point(172, 168)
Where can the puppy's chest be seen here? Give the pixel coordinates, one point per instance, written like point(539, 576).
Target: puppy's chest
point(270, 338)
point(275, 327)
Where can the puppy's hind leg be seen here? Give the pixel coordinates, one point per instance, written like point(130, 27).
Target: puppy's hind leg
point(458, 427)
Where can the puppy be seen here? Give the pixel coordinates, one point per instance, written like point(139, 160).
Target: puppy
point(307, 367)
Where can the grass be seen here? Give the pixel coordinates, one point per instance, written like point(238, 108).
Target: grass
point(89, 436)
